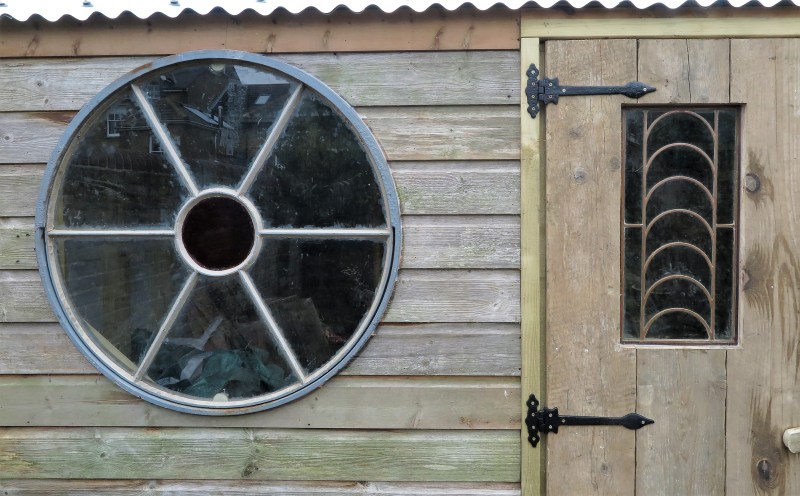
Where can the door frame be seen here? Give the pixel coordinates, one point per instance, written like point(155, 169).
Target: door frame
point(536, 27)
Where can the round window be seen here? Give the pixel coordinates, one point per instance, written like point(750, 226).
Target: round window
point(218, 232)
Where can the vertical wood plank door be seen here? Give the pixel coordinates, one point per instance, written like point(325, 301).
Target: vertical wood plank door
point(712, 358)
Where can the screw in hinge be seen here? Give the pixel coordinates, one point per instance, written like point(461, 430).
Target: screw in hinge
point(87, 3)
point(173, 2)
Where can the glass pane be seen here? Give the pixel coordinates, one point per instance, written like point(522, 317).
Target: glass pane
point(318, 175)
point(687, 207)
point(121, 289)
point(679, 193)
point(632, 282)
point(112, 165)
point(726, 284)
point(318, 291)
point(727, 182)
point(634, 165)
point(219, 346)
point(680, 161)
point(681, 127)
point(219, 115)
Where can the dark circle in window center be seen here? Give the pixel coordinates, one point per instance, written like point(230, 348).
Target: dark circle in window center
point(218, 233)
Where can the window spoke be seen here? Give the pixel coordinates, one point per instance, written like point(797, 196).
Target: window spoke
point(167, 145)
point(120, 233)
point(169, 320)
point(265, 151)
point(337, 233)
point(273, 327)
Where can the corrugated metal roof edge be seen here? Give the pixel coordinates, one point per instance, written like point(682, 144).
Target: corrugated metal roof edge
point(81, 10)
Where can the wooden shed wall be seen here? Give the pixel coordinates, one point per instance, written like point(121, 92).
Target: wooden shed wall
point(430, 406)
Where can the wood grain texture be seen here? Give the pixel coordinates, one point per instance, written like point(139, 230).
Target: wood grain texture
point(684, 392)
point(342, 403)
point(363, 79)
point(687, 22)
point(405, 133)
point(17, 487)
point(450, 242)
point(764, 390)
point(448, 188)
point(679, 387)
point(259, 454)
point(455, 296)
point(16, 243)
point(341, 31)
point(477, 241)
point(587, 372)
point(402, 350)
point(533, 263)
point(420, 296)
point(424, 188)
point(19, 189)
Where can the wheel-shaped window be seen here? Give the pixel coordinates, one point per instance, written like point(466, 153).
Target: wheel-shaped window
point(218, 232)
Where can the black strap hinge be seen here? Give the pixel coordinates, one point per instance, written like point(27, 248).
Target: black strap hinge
point(544, 91)
point(548, 420)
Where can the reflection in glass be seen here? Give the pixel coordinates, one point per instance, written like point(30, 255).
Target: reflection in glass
point(679, 207)
point(318, 291)
point(219, 115)
point(318, 175)
point(121, 289)
point(188, 305)
point(218, 345)
point(111, 166)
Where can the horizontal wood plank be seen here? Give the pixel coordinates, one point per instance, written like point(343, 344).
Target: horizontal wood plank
point(16, 243)
point(656, 23)
point(425, 78)
point(427, 188)
point(342, 403)
point(420, 296)
point(17, 487)
point(464, 242)
point(453, 188)
point(428, 242)
point(406, 133)
point(19, 189)
point(416, 349)
point(340, 31)
point(259, 454)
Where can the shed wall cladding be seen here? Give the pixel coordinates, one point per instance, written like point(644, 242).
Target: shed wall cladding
point(430, 406)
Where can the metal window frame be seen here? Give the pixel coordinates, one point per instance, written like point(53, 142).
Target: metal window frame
point(49, 271)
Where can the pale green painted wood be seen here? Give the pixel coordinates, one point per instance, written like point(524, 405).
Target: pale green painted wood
point(418, 349)
point(450, 242)
point(363, 79)
point(252, 488)
point(342, 403)
point(420, 296)
point(262, 454)
point(405, 133)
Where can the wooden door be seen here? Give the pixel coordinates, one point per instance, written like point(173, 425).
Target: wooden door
point(719, 410)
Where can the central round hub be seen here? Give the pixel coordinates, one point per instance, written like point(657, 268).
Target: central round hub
point(218, 233)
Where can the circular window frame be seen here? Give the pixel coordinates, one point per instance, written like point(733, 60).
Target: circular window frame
point(68, 319)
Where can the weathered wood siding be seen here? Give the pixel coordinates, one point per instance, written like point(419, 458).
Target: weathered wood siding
point(430, 406)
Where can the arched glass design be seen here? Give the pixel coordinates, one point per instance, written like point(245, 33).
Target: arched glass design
point(679, 225)
point(219, 232)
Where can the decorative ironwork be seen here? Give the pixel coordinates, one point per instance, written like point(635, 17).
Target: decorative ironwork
point(548, 420)
point(546, 91)
point(679, 225)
